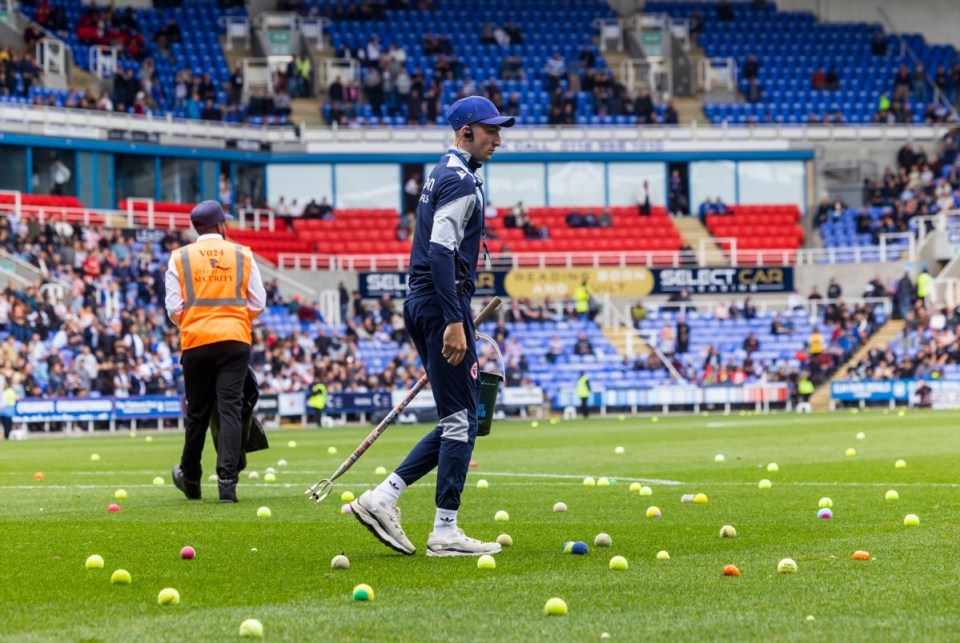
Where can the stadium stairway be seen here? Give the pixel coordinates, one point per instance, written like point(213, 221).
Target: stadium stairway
point(692, 232)
point(880, 339)
point(617, 336)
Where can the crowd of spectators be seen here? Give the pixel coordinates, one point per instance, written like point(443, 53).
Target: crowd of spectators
point(921, 184)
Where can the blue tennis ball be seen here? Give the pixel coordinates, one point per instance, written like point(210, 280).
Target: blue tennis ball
point(580, 548)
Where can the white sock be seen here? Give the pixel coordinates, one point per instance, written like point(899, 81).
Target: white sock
point(446, 519)
point(390, 489)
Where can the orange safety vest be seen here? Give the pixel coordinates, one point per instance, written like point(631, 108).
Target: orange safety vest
point(214, 274)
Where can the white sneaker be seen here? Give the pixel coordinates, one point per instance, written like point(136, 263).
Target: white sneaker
point(453, 542)
point(383, 521)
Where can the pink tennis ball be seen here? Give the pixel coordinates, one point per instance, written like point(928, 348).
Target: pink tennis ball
point(113, 508)
point(188, 553)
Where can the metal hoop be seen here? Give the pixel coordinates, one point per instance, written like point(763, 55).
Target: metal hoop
point(496, 348)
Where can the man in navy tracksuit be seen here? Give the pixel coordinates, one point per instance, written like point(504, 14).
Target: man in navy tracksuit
point(437, 314)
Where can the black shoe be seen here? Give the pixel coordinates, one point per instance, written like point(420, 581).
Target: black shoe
point(190, 488)
point(228, 490)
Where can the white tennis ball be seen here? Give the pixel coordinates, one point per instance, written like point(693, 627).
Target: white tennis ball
point(251, 629)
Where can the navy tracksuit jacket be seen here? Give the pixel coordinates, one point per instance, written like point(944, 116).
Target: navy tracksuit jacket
point(443, 273)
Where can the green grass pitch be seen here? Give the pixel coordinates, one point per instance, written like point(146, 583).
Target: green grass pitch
point(908, 590)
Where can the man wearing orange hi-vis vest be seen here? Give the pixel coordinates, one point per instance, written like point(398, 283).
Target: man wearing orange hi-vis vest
point(214, 292)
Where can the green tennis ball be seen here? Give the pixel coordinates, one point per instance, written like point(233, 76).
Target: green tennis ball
point(121, 577)
point(168, 596)
point(251, 629)
point(555, 607)
point(95, 562)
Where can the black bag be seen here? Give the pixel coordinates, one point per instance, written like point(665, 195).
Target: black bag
point(254, 436)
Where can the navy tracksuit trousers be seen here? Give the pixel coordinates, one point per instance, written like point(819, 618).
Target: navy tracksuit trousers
point(456, 389)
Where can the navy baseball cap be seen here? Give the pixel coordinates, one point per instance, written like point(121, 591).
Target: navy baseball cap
point(207, 214)
point(476, 109)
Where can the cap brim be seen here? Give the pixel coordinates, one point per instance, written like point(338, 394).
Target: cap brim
point(502, 121)
point(228, 217)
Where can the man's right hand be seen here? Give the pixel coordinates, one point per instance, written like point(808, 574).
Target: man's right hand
point(454, 343)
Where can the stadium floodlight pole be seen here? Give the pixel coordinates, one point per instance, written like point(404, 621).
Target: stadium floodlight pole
point(322, 489)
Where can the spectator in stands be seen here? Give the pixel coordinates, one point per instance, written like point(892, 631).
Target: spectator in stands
point(814, 294)
point(833, 79)
point(682, 334)
point(725, 11)
point(210, 112)
point(643, 199)
point(583, 346)
point(749, 309)
point(878, 45)
point(677, 201)
point(751, 68)
point(555, 72)
point(819, 79)
point(670, 115)
point(834, 291)
point(904, 293)
point(638, 313)
point(554, 350)
point(902, 83)
point(751, 344)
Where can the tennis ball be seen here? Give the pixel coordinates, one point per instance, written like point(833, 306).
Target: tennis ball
point(188, 553)
point(253, 475)
point(158, 482)
point(787, 566)
point(473, 464)
point(891, 495)
point(579, 548)
point(271, 470)
point(482, 484)
point(264, 512)
point(727, 531)
point(825, 514)
point(653, 512)
point(705, 414)
point(654, 419)
point(764, 484)
point(555, 607)
point(634, 487)
point(861, 435)
point(861, 555)
point(121, 577)
point(94, 457)
point(645, 491)
point(270, 478)
point(603, 482)
point(534, 424)
point(554, 421)
point(501, 516)
point(340, 562)
point(663, 555)
point(851, 452)
point(281, 463)
point(911, 520)
point(567, 547)
point(603, 540)
point(292, 444)
point(825, 503)
point(113, 508)
point(560, 507)
point(346, 509)
point(94, 562)
point(332, 450)
point(486, 562)
point(363, 593)
point(120, 494)
point(381, 471)
point(619, 564)
point(621, 417)
point(251, 629)
point(38, 475)
point(719, 458)
point(772, 467)
point(619, 450)
point(700, 498)
point(505, 540)
point(900, 464)
point(347, 496)
point(149, 438)
point(686, 498)
point(589, 482)
point(901, 413)
point(731, 570)
point(212, 477)
point(168, 596)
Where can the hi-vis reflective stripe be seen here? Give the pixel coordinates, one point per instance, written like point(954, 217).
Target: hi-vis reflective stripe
point(190, 297)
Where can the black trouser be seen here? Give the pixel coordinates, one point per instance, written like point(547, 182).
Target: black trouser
point(214, 373)
point(7, 422)
point(585, 406)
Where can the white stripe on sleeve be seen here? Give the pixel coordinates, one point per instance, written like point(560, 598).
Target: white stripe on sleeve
point(450, 221)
